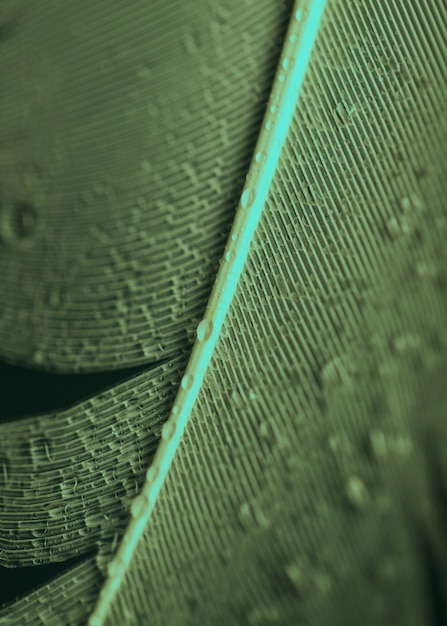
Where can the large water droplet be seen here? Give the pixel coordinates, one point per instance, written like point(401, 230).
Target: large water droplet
point(248, 198)
point(204, 330)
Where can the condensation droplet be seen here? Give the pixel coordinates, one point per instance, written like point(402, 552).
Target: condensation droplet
point(378, 444)
point(138, 506)
point(187, 381)
point(335, 373)
point(261, 156)
point(234, 237)
point(152, 473)
point(168, 430)
point(406, 345)
point(230, 256)
point(17, 221)
point(301, 14)
point(248, 198)
point(339, 443)
point(287, 63)
point(204, 330)
point(357, 493)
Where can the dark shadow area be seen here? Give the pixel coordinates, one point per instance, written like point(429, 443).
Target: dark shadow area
point(26, 391)
point(19, 581)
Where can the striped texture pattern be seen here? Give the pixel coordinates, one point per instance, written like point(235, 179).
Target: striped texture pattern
point(311, 478)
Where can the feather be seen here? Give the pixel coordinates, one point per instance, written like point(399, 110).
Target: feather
point(308, 485)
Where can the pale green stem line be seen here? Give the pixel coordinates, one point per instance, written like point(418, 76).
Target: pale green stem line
point(301, 34)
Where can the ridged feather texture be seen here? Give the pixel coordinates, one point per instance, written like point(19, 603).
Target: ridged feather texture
point(311, 478)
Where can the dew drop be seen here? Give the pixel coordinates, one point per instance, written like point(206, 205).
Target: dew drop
point(234, 237)
point(357, 493)
point(187, 381)
point(335, 373)
point(17, 221)
point(378, 444)
point(297, 575)
point(204, 330)
point(152, 473)
point(230, 256)
point(260, 156)
point(168, 430)
point(248, 198)
point(287, 63)
point(138, 506)
point(301, 14)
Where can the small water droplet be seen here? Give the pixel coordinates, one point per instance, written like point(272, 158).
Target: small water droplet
point(248, 198)
point(264, 616)
point(138, 506)
point(187, 381)
point(168, 430)
point(288, 63)
point(17, 221)
point(204, 330)
point(301, 14)
point(269, 124)
point(339, 443)
point(335, 373)
point(406, 345)
point(261, 156)
point(357, 493)
point(378, 444)
point(152, 473)
point(281, 77)
point(297, 575)
point(234, 237)
point(230, 256)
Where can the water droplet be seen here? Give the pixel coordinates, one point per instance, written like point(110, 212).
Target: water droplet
point(261, 156)
point(378, 444)
point(397, 227)
point(269, 124)
point(187, 381)
point(168, 430)
point(17, 221)
point(339, 443)
point(114, 567)
point(204, 330)
point(426, 270)
point(248, 198)
point(138, 506)
point(297, 575)
point(230, 256)
point(288, 63)
point(335, 373)
point(406, 345)
point(301, 14)
point(357, 493)
point(281, 77)
point(152, 473)
point(264, 616)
